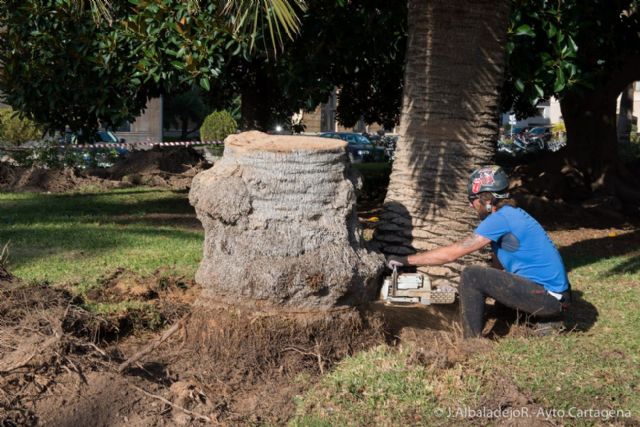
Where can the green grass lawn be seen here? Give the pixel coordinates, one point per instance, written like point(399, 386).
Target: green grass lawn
point(74, 239)
point(595, 368)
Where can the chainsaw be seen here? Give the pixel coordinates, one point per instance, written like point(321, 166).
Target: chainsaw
point(414, 288)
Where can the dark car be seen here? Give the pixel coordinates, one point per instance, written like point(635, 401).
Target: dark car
point(515, 131)
point(359, 148)
point(107, 149)
point(540, 136)
point(99, 137)
point(540, 131)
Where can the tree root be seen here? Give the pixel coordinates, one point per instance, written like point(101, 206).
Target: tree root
point(173, 405)
point(149, 348)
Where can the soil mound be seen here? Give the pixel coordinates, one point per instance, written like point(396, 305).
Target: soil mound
point(157, 160)
point(14, 178)
point(57, 360)
point(43, 333)
point(173, 168)
point(170, 168)
point(59, 363)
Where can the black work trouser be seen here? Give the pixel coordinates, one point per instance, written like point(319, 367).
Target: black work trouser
point(514, 291)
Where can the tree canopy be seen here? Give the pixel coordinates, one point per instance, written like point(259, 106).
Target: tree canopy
point(585, 54)
point(558, 47)
point(81, 71)
point(61, 68)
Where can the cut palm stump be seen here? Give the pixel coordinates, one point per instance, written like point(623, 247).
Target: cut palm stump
point(283, 269)
point(281, 229)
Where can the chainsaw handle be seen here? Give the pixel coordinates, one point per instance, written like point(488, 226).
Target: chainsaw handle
point(394, 281)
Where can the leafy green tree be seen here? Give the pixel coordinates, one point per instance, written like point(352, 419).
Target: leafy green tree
point(61, 68)
point(585, 54)
point(367, 65)
point(230, 49)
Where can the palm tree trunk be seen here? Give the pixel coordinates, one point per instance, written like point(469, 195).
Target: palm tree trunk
point(448, 126)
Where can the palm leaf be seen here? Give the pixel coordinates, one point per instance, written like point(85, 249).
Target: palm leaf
point(278, 17)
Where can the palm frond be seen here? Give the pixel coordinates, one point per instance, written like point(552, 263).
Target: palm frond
point(101, 9)
point(278, 17)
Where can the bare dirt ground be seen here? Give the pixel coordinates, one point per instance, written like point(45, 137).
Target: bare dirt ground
point(61, 365)
point(167, 168)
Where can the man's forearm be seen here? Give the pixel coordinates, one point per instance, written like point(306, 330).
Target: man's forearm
point(437, 256)
point(447, 254)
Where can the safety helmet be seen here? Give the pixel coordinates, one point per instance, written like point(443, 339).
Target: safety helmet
point(492, 179)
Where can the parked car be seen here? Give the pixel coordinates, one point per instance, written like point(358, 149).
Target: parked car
point(515, 131)
point(539, 131)
point(99, 137)
point(359, 148)
point(102, 157)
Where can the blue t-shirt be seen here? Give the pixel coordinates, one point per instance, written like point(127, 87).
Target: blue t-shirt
point(524, 248)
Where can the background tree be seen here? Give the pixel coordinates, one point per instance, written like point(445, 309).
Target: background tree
point(367, 64)
point(182, 110)
point(62, 66)
point(229, 49)
point(584, 53)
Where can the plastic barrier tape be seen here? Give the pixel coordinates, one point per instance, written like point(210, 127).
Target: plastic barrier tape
point(115, 145)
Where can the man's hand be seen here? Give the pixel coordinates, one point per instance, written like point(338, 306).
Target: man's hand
point(396, 261)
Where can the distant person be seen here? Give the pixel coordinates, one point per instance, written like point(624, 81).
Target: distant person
point(534, 279)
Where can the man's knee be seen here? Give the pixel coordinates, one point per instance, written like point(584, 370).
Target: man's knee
point(470, 276)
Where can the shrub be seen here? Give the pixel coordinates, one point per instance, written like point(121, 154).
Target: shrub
point(49, 154)
point(217, 126)
point(558, 127)
point(16, 131)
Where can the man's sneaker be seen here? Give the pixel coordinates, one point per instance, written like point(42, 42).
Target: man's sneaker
point(543, 329)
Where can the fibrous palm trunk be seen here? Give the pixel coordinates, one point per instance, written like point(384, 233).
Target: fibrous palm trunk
point(448, 127)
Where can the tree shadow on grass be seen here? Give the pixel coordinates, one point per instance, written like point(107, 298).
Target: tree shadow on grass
point(32, 244)
point(104, 207)
point(581, 316)
point(590, 251)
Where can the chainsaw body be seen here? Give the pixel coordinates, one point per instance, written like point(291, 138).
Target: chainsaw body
point(413, 288)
